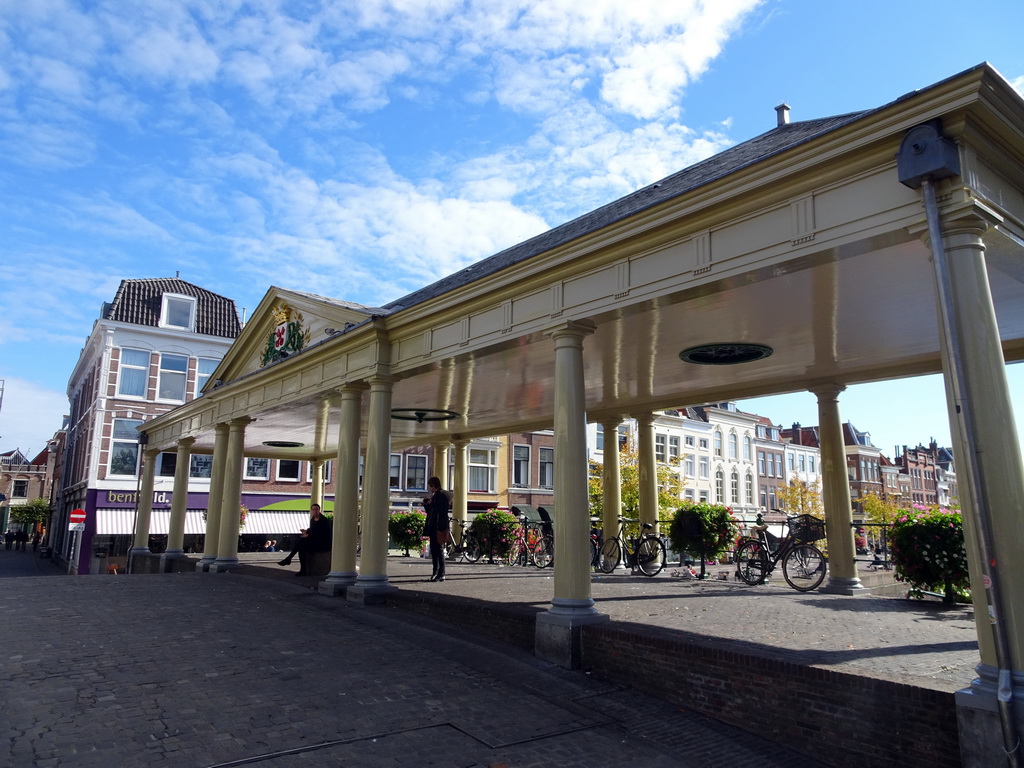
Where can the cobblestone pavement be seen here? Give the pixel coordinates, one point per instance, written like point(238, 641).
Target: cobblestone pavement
point(224, 669)
point(227, 669)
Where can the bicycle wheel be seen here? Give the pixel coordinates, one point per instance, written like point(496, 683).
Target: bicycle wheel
point(515, 553)
point(609, 556)
point(544, 552)
point(752, 562)
point(650, 556)
point(471, 549)
point(804, 567)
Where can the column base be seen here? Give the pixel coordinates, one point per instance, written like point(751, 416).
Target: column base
point(371, 590)
point(167, 559)
point(221, 565)
point(978, 722)
point(337, 583)
point(558, 637)
point(839, 585)
point(206, 564)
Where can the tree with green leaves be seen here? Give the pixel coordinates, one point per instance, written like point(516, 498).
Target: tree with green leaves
point(31, 513)
point(799, 497)
point(670, 486)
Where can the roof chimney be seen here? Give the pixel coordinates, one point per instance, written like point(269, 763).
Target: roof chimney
point(782, 114)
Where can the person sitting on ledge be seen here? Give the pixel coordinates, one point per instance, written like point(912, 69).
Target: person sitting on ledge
point(316, 538)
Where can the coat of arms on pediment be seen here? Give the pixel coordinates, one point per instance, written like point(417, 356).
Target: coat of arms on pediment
point(287, 337)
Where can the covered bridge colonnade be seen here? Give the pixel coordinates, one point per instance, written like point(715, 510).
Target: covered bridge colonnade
point(802, 243)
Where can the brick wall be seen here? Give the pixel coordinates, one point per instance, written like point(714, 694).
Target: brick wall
point(841, 719)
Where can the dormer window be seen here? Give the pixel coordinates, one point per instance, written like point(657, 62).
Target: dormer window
point(178, 312)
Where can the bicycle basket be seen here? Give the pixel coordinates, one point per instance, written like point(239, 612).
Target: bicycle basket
point(807, 528)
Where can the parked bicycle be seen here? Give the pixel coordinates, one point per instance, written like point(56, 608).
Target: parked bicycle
point(645, 552)
point(468, 547)
point(803, 564)
point(521, 550)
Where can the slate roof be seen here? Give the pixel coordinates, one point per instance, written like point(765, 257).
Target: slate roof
point(139, 302)
point(735, 158)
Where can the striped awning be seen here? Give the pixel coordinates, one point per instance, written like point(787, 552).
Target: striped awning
point(114, 522)
point(282, 523)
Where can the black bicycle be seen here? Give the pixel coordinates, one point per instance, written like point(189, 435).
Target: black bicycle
point(645, 553)
point(468, 548)
point(803, 564)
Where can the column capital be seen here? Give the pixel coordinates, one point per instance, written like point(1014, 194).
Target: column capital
point(572, 329)
point(239, 422)
point(186, 442)
point(646, 419)
point(827, 391)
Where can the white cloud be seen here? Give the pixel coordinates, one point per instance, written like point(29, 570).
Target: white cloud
point(1018, 84)
point(30, 415)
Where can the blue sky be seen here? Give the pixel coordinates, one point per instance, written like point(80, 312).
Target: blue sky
point(363, 149)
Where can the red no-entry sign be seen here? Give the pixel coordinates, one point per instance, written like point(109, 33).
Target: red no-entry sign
point(78, 516)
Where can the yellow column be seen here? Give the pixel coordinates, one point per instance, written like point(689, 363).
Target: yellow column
point(460, 483)
point(611, 479)
point(373, 574)
point(647, 469)
point(842, 569)
point(989, 469)
point(558, 636)
point(227, 546)
point(316, 489)
point(346, 495)
point(215, 498)
point(145, 503)
point(179, 501)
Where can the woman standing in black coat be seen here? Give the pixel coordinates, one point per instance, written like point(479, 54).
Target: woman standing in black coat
point(436, 526)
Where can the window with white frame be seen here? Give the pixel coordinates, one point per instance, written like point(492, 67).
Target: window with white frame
point(547, 467)
point(205, 366)
point(734, 487)
point(760, 463)
point(704, 496)
point(20, 489)
point(521, 465)
point(660, 447)
point(720, 487)
point(623, 437)
point(167, 464)
point(178, 312)
point(750, 489)
point(200, 466)
point(395, 471)
point(173, 373)
point(600, 437)
point(734, 447)
point(803, 462)
point(257, 469)
point(327, 472)
point(416, 472)
point(747, 450)
point(483, 469)
point(133, 375)
point(791, 458)
point(705, 467)
point(288, 470)
point(691, 494)
point(704, 443)
point(124, 447)
point(688, 441)
point(688, 465)
point(718, 443)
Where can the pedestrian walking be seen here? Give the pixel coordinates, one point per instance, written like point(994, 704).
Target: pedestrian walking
point(8, 538)
point(436, 527)
point(21, 539)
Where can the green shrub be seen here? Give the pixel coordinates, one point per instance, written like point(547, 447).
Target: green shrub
point(500, 524)
point(720, 529)
point(928, 551)
point(406, 529)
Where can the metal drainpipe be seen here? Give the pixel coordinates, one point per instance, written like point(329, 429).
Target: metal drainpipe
point(1004, 691)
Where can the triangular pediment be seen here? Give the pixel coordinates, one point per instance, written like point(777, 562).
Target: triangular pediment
point(285, 324)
